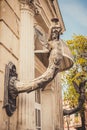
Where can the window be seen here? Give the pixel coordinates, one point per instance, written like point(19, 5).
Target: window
point(38, 110)
point(38, 119)
point(37, 96)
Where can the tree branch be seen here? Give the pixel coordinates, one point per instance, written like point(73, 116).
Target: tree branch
point(76, 87)
point(81, 99)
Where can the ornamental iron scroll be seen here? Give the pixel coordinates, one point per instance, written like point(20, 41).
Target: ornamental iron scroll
point(10, 91)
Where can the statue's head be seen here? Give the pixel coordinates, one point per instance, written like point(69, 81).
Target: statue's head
point(55, 30)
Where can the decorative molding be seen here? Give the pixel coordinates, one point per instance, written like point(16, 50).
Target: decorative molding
point(32, 4)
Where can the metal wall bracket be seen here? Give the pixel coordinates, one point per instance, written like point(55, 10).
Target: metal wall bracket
point(10, 91)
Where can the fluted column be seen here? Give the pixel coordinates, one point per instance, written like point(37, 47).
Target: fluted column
point(26, 101)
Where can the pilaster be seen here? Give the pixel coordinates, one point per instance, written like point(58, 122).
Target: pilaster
point(26, 101)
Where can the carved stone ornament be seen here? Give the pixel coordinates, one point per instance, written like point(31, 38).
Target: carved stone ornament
point(58, 61)
point(32, 4)
point(10, 91)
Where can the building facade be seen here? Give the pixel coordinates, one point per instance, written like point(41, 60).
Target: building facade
point(24, 28)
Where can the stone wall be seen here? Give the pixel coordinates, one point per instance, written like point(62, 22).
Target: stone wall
point(12, 48)
point(9, 46)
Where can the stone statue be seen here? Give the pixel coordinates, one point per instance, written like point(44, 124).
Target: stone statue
point(55, 57)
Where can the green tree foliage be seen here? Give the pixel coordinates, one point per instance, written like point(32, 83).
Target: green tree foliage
point(78, 73)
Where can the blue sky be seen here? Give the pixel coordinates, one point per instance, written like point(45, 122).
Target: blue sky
point(74, 13)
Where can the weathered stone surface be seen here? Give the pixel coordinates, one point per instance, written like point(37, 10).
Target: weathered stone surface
point(15, 5)
point(9, 17)
point(7, 35)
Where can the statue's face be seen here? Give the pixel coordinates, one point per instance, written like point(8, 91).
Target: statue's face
point(54, 33)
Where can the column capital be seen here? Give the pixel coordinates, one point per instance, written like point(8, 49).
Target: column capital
point(32, 5)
